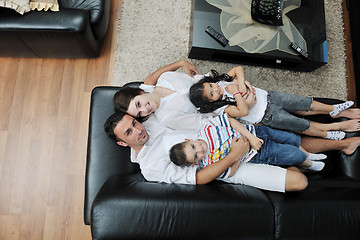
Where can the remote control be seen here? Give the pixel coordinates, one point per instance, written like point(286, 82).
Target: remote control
point(299, 50)
point(217, 36)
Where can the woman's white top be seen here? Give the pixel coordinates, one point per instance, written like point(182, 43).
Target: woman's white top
point(176, 110)
point(256, 113)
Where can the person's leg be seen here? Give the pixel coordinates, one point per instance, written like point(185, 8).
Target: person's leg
point(346, 126)
point(318, 130)
point(278, 136)
point(306, 106)
point(316, 145)
point(312, 161)
point(313, 156)
point(295, 180)
point(332, 110)
point(353, 113)
point(279, 147)
point(277, 116)
point(283, 148)
point(268, 177)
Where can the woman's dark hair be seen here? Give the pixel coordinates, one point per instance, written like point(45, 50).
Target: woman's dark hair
point(196, 93)
point(123, 97)
point(177, 155)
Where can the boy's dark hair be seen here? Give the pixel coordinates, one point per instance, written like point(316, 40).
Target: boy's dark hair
point(123, 97)
point(177, 155)
point(111, 123)
point(196, 93)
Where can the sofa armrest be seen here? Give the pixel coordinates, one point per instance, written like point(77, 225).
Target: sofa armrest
point(63, 34)
point(128, 207)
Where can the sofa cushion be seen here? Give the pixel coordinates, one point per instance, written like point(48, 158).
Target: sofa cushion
point(317, 213)
point(128, 207)
point(20, 6)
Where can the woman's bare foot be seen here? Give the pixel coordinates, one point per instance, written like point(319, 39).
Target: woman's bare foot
point(350, 125)
point(353, 113)
point(351, 145)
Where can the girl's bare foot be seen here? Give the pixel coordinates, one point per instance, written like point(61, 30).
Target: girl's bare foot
point(353, 113)
point(351, 145)
point(350, 125)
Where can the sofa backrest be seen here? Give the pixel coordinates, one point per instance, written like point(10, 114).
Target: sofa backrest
point(104, 157)
point(99, 11)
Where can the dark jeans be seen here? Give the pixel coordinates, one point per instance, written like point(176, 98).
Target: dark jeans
point(278, 112)
point(279, 147)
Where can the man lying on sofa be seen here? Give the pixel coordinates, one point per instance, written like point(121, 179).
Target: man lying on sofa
point(150, 149)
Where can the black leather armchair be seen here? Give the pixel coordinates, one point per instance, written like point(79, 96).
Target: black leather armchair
point(75, 31)
point(121, 204)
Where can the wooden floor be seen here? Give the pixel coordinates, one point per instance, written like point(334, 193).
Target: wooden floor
point(44, 109)
point(349, 57)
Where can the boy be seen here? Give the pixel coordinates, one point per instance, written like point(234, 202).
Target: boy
point(214, 143)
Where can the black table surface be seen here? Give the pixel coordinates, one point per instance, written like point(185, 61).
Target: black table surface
point(309, 19)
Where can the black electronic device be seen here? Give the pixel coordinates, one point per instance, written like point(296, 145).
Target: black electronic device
point(299, 50)
point(217, 36)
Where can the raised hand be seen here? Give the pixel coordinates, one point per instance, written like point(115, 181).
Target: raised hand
point(256, 142)
point(232, 88)
point(240, 146)
point(250, 99)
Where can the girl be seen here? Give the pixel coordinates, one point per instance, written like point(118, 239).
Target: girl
point(230, 93)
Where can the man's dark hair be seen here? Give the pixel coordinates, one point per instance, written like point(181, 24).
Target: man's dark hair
point(111, 123)
point(177, 155)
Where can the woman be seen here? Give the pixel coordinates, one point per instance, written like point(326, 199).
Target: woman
point(168, 100)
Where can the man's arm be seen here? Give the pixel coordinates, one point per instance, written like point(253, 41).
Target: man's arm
point(234, 167)
point(189, 68)
point(240, 146)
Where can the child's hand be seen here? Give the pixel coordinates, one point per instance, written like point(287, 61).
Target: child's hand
point(250, 87)
point(242, 89)
point(232, 88)
point(240, 146)
point(256, 142)
point(250, 99)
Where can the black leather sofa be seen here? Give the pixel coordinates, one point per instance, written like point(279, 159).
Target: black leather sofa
point(121, 204)
point(75, 31)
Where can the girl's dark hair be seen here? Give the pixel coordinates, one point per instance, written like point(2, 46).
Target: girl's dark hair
point(177, 155)
point(196, 93)
point(123, 97)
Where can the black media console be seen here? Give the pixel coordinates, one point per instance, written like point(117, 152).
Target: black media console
point(309, 19)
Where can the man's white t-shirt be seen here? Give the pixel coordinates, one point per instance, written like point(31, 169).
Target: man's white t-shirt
point(154, 158)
